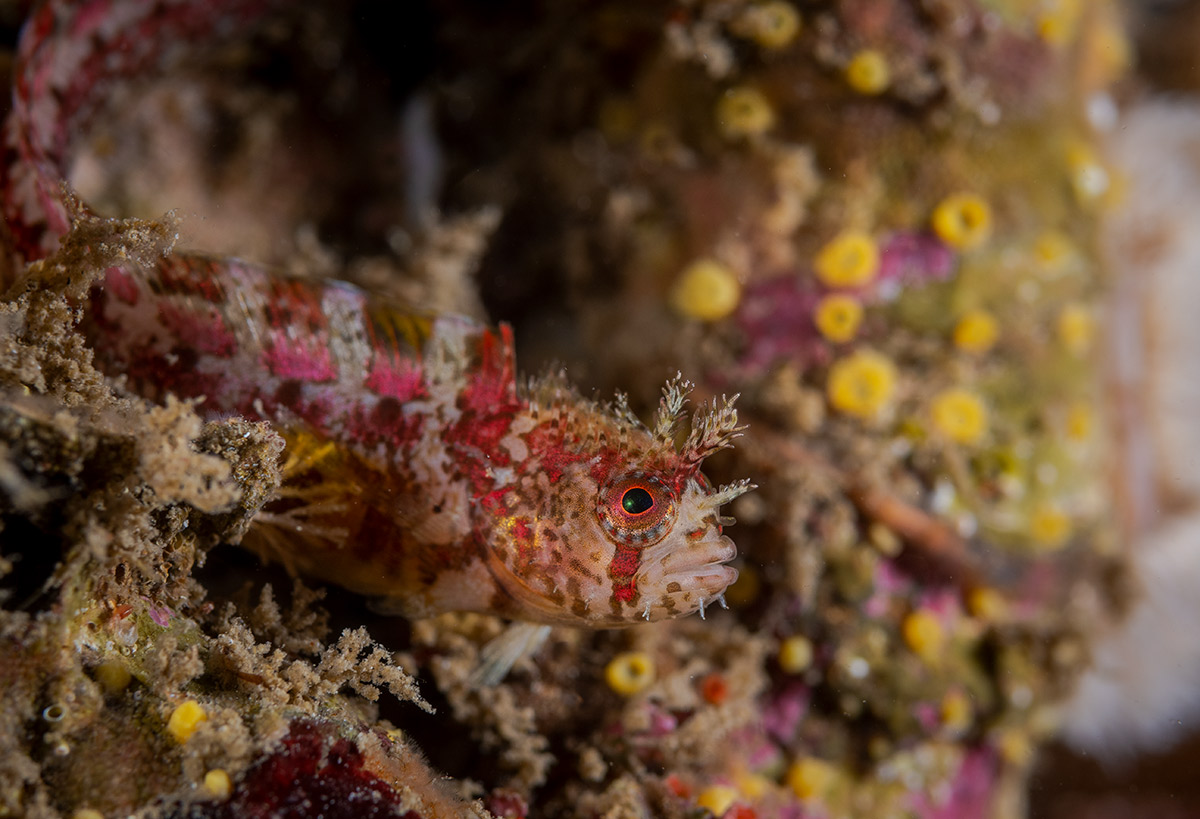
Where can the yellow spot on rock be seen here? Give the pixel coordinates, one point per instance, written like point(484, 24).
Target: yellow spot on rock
point(752, 785)
point(956, 711)
point(850, 259)
point(862, 384)
point(963, 220)
point(986, 604)
point(976, 332)
point(744, 590)
point(1080, 422)
point(617, 119)
point(795, 654)
point(772, 24)
point(868, 72)
point(923, 633)
point(1058, 21)
point(1089, 177)
point(960, 415)
point(629, 673)
point(185, 719)
point(1053, 251)
point(811, 778)
point(218, 784)
point(1076, 328)
point(706, 290)
point(87, 813)
point(744, 112)
point(1049, 526)
point(113, 676)
point(717, 799)
point(1015, 747)
point(838, 317)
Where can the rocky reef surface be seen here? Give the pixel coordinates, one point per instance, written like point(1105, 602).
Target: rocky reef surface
point(876, 221)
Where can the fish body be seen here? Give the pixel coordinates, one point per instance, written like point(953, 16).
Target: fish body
point(417, 469)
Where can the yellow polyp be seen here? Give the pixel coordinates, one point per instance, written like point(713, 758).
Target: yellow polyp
point(868, 72)
point(1111, 50)
point(960, 415)
point(617, 119)
point(795, 654)
point(753, 786)
point(1015, 747)
point(861, 384)
point(658, 142)
point(185, 719)
point(1076, 328)
point(956, 711)
point(706, 290)
point(810, 778)
point(629, 673)
point(717, 799)
point(850, 259)
point(923, 634)
point(218, 784)
point(1080, 422)
point(113, 676)
point(1058, 22)
point(744, 590)
point(1089, 177)
point(986, 604)
point(1053, 251)
point(976, 332)
point(744, 112)
point(838, 316)
point(963, 220)
point(772, 25)
point(1049, 526)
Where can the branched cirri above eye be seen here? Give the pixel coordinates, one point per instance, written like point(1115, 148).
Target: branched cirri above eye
point(636, 509)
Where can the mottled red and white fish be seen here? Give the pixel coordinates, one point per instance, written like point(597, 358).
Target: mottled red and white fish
point(418, 469)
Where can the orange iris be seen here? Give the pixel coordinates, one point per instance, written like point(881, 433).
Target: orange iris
point(636, 509)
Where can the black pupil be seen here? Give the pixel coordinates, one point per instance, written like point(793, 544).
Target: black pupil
point(636, 500)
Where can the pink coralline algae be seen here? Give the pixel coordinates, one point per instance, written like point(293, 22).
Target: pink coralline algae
point(775, 316)
point(312, 774)
point(967, 796)
point(910, 260)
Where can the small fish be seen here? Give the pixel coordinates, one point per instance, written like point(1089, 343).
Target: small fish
point(418, 471)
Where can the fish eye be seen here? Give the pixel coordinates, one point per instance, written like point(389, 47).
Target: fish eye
point(637, 501)
point(636, 509)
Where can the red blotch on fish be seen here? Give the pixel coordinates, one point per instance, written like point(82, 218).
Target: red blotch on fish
point(395, 378)
point(494, 385)
point(302, 359)
point(200, 327)
point(622, 570)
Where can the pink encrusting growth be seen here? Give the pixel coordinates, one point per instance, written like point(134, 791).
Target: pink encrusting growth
point(416, 469)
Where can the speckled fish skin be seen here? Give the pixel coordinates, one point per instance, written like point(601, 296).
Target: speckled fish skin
point(417, 470)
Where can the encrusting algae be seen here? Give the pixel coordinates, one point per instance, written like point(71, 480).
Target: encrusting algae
point(876, 225)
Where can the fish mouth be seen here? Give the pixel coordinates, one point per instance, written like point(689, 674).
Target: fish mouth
point(710, 552)
point(696, 574)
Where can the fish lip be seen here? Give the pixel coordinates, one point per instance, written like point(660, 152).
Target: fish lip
point(705, 584)
point(711, 553)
